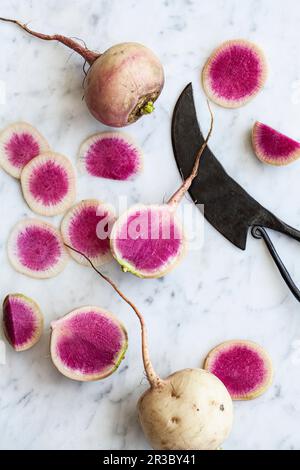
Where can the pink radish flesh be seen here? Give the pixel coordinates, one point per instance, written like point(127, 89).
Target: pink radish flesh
point(121, 84)
point(48, 184)
point(272, 147)
point(86, 227)
point(149, 241)
point(243, 367)
point(110, 155)
point(36, 249)
point(19, 144)
point(22, 321)
point(88, 344)
point(235, 73)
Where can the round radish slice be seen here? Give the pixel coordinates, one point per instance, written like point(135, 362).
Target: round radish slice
point(148, 241)
point(272, 147)
point(86, 227)
point(48, 184)
point(88, 344)
point(235, 73)
point(244, 367)
point(19, 144)
point(111, 155)
point(35, 248)
point(22, 321)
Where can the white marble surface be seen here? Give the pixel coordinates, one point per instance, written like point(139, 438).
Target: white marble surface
point(218, 292)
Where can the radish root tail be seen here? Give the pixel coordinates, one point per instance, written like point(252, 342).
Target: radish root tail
point(88, 55)
point(179, 194)
point(153, 379)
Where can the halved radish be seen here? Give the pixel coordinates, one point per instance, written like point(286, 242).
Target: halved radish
point(86, 227)
point(272, 147)
point(112, 155)
point(49, 184)
point(88, 344)
point(19, 144)
point(36, 248)
point(235, 72)
point(22, 321)
point(244, 367)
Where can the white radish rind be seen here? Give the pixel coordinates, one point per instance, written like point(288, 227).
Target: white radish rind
point(234, 73)
point(20, 143)
point(49, 184)
point(36, 249)
point(88, 344)
point(22, 321)
point(243, 366)
point(86, 228)
point(111, 155)
point(119, 239)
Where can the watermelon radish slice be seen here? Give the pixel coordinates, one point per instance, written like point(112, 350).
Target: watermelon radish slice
point(272, 147)
point(22, 321)
point(49, 184)
point(88, 344)
point(35, 248)
point(86, 227)
point(112, 155)
point(234, 74)
point(148, 241)
point(19, 144)
point(244, 367)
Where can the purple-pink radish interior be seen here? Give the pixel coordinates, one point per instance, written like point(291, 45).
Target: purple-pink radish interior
point(235, 72)
point(273, 143)
point(21, 149)
point(149, 238)
point(49, 183)
point(112, 157)
point(19, 320)
point(38, 248)
point(240, 368)
point(89, 342)
point(83, 231)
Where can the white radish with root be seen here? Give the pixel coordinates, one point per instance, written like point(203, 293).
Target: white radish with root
point(121, 84)
point(148, 240)
point(189, 410)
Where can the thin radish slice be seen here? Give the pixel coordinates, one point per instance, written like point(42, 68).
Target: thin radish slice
point(36, 248)
point(148, 241)
point(235, 72)
point(244, 367)
point(86, 227)
point(22, 321)
point(112, 155)
point(19, 144)
point(49, 184)
point(272, 147)
point(88, 344)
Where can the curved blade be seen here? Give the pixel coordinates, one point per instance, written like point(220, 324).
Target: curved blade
point(227, 206)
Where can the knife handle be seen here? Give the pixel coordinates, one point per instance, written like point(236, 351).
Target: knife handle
point(260, 233)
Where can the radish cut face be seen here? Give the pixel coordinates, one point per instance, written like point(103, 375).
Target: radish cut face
point(48, 184)
point(35, 248)
point(244, 367)
point(86, 227)
point(272, 147)
point(88, 344)
point(148, 241)
point(111, 155)
point(235, 73)
point(22, 321)
point(19, 144)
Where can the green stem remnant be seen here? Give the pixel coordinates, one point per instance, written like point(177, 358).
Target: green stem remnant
point(88, 55)
point(148, 108)
point(153, 379)
point(178, 195)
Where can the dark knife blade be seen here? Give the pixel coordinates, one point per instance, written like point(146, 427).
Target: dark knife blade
point(227, 206)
